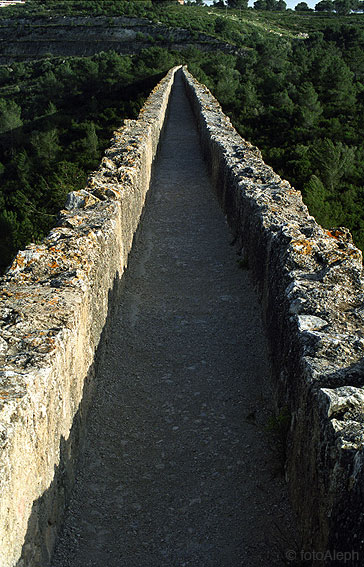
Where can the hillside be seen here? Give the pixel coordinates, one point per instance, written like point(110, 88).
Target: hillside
point(74, 28)
point(41, 36)
point(293, 84)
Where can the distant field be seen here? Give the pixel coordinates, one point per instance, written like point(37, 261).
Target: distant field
point(7, 3)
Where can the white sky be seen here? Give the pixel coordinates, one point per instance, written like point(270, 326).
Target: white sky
point(290, 3)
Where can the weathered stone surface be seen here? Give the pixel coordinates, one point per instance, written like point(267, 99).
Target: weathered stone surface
point(310, 281)
point(54, 301)
point(55, 298)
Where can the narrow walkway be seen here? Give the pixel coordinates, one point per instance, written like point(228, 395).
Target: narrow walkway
point(179, 469)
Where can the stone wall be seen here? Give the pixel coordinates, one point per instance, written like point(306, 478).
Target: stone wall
point(310, 281)
point(54, 301)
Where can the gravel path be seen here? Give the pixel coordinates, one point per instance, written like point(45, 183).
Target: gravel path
point(179, 469)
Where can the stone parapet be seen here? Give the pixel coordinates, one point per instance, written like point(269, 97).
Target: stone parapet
point(56, 296)
point(310, 282)
point(54, 302)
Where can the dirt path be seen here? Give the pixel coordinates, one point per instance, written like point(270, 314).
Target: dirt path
point(179, 469)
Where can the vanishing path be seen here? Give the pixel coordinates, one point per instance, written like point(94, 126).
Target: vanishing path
point(179, 469)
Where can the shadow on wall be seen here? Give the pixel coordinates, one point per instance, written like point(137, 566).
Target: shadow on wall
point(326, 434)
point(47, 512)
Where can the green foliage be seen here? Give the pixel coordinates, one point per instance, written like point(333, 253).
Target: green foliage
point(45, 144)
point(270, 5)
point(317, 198)
point(91, 141)
point(301, 102)
point(309, 106)
point(10, 116)
point(227, 85)
point(332, 161)
point(240, 4)
point(221, 25)
point(343, 7)
point(302, 7)
point(324, 6)
point(58, 126)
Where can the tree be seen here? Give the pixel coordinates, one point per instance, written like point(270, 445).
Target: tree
point(227, 85)
point(333, 161)
point(51, 109)
point(164, 2)
point(153, 58)
point(260, 5)
point(281, 6)
point(45, 144)
point(22, 166)
point(91, 141)
point(251, 105)
point(68, 177)
point(242, 4)
point(271, 5)
point(303, 7)
point(342, 7)
point(10, 114)
point(221, 25)
point(316, 198)
point(324, 6)
point(49, 85)
point(337, 85)
point(310, 108)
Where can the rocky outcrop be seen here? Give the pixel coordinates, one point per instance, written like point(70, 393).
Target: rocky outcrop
point(32, 38)
point(54, 301)
point(310, 281)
